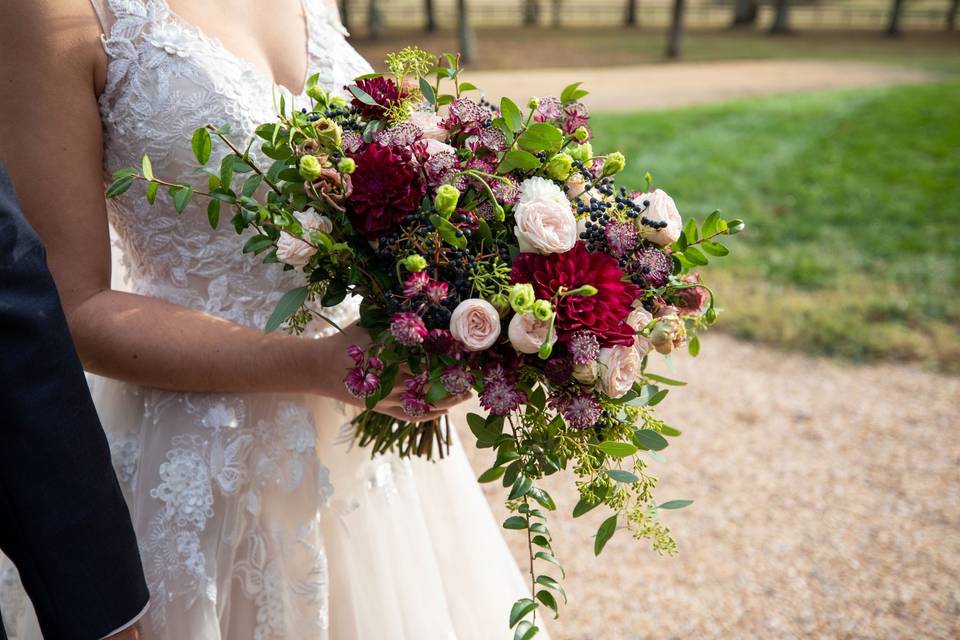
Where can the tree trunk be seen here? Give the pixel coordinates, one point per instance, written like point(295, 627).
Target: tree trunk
point(675, 39)
point(555, 7)
point(531, 12)
point(745, 13)
point(468, 49)
point(896, 12)
point(630, 16)
point(781, 19)
point(374, 20)
point(952, 15)
point(430, 15)
point(345, 14)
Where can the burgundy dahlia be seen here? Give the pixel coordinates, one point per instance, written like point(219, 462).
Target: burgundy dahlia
point(384, 92)
point(604, 314)
point(387, 185)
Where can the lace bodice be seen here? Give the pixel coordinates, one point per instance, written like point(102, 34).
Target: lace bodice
point(165, 78)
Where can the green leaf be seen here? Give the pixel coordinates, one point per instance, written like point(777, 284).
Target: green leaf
point(541, 136)
point(665, 380)
point(515, 522)
point(123, 172)
point(224, 195)
point(491, 474)
point(251, 184)
point(152, 192)
point(544, 498)
point(695, 256)
point(583, 506)
point(335, 293)
point(181, 197)
point(449, 232)
point(547, 599)
point(604, 533)
point(226, 171)
point(257, 244)
point(213, 213)
point(362, 95)
point(551, 583)
point(658, 397)
point(572, 93)
point(119, 186)
point(541, 541)
point(617, 449)
point(690, 231)
point(525, 631)
point(518, 159)
point(436, 393)
point(622, 476)
point(650, 439)
point(521, 486)
point(511, 114)
point(548, 557)
point(520, 609)
point(715, 248)
point(669, 431)
point(468, 86)
point(289, 304)
point(201, 145)
point(147, 167)
point(428, 93)
point(711, 225)
point(693, 347)
point(538, 398)
point(675, 504)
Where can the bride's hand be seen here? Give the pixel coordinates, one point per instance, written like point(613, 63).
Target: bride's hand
point(332, 363)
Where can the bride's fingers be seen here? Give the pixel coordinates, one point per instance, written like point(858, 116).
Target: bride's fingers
point(452, 401)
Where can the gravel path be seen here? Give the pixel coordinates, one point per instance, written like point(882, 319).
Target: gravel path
point(671, 85)
point(827, 506)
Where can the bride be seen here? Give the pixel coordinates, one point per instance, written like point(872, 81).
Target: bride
point(254, 516)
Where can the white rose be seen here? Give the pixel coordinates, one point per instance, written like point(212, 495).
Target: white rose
point(429, 123)
point(662, 208)
point(527, 334)
point(545, 221)
point(476, 324)
point(639, 318)
point(435, 146)
point(294, 251)
point(619, 369)
point(586, 373)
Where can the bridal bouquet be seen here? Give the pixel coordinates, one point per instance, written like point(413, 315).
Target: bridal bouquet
point(492, 251)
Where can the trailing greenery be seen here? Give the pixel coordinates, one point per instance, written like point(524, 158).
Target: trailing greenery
point(853, 199)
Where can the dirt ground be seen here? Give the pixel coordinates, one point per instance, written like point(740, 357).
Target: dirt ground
point(827, 505)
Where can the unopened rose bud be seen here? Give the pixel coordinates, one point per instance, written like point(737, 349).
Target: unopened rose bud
point(522, 297)
point(310, 167)
point(614, 164)
point(445, 202)
point(710, 315)
point(414, 263)
point(668, 334)
point(542, 310)
point(499, 214)
point(586, 373)
point(346, 165)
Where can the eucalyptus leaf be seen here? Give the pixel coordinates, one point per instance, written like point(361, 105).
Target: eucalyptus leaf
point(622, 476)
point(675, 504)
point(650, 439)
point(604, 533)
point(617, 449)
point(665, 380)
point(288, 305)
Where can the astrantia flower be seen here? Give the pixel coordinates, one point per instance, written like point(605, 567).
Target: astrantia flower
point(387, 185)
point(352, 141)
point(604, 314)
point(439, 342)
point(412, 401)
point(575, 115)
point(408, 328)
point(416, 284)
point(437, 292)
point(621, 237)
point(584, 347)
point(501, 398)
point(548, 109)
point(384, 92)
point(558, 370)
point(654, 266)
point(361, 383)
point(507, 193)
point(465, 116)
point(441, 168)
point(402, 135)
point(493, 139)
point(457, 380)
point(581, 411)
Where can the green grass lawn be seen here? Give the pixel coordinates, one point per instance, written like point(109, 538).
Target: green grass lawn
point(852, 200)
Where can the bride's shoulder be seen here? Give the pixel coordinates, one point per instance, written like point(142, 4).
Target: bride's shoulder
point(61, 33)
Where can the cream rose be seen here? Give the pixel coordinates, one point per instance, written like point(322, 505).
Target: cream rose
point(527, 334)
point(476, 324)
point(294, 251)
point(586, 373)
point(545, 221)
point(639, 318)
point(662, 208)
point(429, 123)
point(435, 146)
point(668, 334)
point(619, 369)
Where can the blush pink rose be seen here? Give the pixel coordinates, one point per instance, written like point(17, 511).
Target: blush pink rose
point(661, 208)
point(527, 334)
point(435, 146)
point(619, 369)
point(294, 251)
point(429, 123)
point(476, 324)
point(544, 220)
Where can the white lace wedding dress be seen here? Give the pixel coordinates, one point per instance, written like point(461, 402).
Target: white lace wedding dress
point(253, 520)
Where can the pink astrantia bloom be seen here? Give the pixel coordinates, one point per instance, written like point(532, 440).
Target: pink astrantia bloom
point(408, 328)
point(437, 292)
point(584, 347)
point(457, 380)
point(416, 284)
point(621, 237)
point(501, 398)
point(581, 411)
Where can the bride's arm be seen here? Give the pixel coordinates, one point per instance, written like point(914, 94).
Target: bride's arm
point(50, 140)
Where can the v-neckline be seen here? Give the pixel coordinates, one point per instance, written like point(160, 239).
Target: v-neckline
point(266, 74)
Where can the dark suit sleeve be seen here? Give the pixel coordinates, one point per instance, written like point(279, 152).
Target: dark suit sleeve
point(63, 519)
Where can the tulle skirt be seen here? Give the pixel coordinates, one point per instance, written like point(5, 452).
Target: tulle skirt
point(256, 518)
